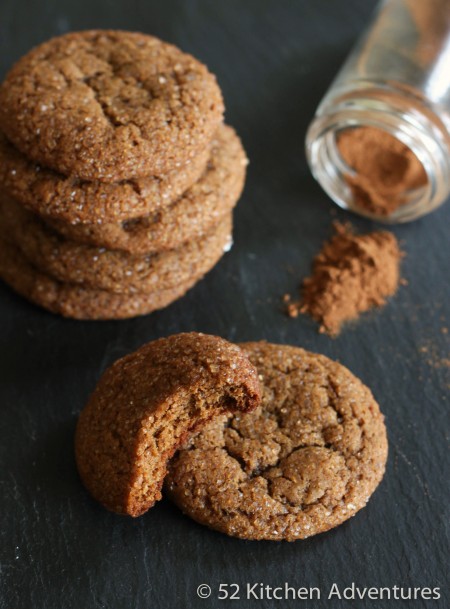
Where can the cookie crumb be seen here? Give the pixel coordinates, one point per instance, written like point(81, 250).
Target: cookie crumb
point(351, 274)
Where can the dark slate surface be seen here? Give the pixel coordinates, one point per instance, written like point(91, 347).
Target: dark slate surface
point(59, 549)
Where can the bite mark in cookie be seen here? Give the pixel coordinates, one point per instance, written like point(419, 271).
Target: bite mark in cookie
point(146, 404)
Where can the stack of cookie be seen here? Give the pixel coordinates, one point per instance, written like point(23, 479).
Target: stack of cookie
point(118, 176)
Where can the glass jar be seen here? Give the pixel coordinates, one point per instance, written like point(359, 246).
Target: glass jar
point(397, 80)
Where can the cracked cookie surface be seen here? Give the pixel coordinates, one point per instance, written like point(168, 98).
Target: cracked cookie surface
point(305, 461)
point(189, 217)
point(109, 105)
point(146, 404)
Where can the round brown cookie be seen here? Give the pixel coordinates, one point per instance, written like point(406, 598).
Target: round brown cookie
point(305, 461)
point(186, 219)
point(109, 105)
point(75, 301)
point(110, 270)
point(73, 200)
point(146, 404)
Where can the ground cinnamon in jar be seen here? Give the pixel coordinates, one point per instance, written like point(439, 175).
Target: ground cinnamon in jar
point(351, 274)
point(385, 169)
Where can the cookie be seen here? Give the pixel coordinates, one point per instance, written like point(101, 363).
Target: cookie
point(216, 193)
point(76, 301)
point(73, 200)
point(146, 404)
point(110, 270)
point(109, 105)
point(305, 461)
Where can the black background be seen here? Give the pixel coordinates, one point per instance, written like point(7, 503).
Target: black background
point(274, 60)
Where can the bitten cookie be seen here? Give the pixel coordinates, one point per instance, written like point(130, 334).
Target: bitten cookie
point(77, 301)
point(115, 271)
point(305, 461)
point(72, 200)
point(193, 214)
point(146, 404)
point(109, 105)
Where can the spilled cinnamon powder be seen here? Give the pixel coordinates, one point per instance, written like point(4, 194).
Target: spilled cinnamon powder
point(385, 169)
point(351, 274)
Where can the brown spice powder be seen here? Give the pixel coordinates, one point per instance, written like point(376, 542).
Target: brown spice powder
point(351, 274)
point(385, 169)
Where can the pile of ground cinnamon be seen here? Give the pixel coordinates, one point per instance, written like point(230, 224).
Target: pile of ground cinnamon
point(351, 274)
point(385, 169)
